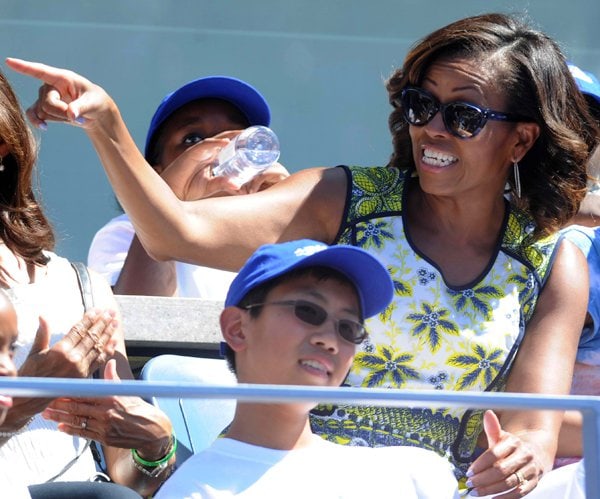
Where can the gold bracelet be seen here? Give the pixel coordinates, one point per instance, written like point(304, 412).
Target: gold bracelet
point(10, 434)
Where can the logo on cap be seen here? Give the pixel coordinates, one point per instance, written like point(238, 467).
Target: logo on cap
point(309, 250)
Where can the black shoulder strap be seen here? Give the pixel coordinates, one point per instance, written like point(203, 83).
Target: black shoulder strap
point(87, 297)
point(85, 287)
point(85, 284)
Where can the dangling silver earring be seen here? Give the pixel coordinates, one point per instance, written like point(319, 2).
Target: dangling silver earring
point(517, 179)
point(1, 164)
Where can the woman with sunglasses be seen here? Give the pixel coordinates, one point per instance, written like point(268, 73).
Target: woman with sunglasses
point(487, 298)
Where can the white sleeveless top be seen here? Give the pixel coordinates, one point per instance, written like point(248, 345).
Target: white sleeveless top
point(41, 452)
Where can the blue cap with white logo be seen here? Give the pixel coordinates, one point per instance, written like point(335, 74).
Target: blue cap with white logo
point(239, 93)
point(370, 278)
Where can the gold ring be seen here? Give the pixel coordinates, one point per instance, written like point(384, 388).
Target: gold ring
point(520, 477)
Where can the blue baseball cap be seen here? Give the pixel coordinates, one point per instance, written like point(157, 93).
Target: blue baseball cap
point(370, 278)
point(588, 83)
point(239, 93)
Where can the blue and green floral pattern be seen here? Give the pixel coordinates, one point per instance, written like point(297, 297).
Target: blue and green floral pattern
point(432, 336)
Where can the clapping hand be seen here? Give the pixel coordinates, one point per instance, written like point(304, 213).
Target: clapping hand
point(85, 348)
point(125, 422)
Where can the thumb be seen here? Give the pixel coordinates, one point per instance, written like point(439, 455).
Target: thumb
point(110, 371)
point(86, 106)
point(492, 428)
point(42, 337)
point(74, 112)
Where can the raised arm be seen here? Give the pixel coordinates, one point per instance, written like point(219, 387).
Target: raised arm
point(141, 274)
point(220, 232)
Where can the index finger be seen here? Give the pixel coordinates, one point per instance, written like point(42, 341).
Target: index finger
point(43, 72)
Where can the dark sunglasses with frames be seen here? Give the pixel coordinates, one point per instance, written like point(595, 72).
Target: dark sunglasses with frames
point(462, 119)
point(315, 315)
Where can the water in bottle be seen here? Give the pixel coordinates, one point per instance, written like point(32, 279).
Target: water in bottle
point(252, 151)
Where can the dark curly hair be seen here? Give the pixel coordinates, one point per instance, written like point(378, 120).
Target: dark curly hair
point(23, 226)
point(538, 84)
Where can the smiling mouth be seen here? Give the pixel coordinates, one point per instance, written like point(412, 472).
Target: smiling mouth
point(316, 365)
point(437, 158)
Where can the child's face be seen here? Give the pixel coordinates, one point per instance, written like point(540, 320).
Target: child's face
point(8, 336)
point(282, 349)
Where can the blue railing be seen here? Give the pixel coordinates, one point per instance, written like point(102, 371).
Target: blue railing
point(587, 405)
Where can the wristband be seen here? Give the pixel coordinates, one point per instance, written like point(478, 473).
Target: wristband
point(157, 466)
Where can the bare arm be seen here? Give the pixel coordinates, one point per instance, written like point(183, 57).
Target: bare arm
point(142, 275)
point(217, 232)
point(529, 439)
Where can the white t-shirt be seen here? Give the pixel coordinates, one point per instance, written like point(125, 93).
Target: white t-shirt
point(324, 470)
point(111, 244)
point(15, 491)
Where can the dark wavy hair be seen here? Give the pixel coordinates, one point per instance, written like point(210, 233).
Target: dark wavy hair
point(538, 84)
point(23, 226)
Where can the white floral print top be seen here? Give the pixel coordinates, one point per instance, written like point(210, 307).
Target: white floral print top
point(433, 336)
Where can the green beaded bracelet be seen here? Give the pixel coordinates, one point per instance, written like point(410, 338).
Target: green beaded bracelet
point(153, 464)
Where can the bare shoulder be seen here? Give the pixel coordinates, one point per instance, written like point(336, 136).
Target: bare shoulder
point(563, 301)
point(570, 261)
point(322, 196)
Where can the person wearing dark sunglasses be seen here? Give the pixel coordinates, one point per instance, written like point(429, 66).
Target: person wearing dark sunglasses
point(487, 295)
point(294, 315)
point(461, 119)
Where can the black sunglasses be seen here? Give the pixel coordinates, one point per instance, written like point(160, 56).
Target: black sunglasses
point(461, 119)
point(315, 315)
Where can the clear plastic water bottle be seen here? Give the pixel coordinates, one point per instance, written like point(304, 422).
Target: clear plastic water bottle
point(252, 151)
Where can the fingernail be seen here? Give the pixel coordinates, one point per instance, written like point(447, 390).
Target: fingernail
point(469, 473)
point(80, 120)
point(43, 126)
point(474, 493)
point(469, 484)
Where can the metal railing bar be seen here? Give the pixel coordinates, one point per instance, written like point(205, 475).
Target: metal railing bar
point(589, 406)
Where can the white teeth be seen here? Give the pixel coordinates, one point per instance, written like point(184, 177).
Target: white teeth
point(436, 158)
point(314, 364)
